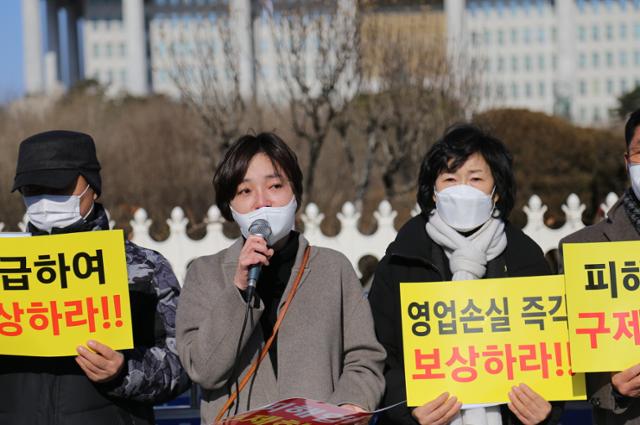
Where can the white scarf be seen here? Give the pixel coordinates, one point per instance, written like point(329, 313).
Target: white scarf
point(468, 257)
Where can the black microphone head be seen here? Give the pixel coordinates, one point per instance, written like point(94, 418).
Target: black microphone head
point(260, 227)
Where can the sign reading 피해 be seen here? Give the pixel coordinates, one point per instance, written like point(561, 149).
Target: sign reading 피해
point(60, 291)
point(604, 314)
point(477, 339)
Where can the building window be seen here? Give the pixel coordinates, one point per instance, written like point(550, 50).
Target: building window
point(541, 35)
point(500, 63)
point(527, 63)
point(583, 114)
point(595, 60)
point(475, 38)
point(610, 86)
point(527, 90)
point(623, 85)
point(582, 61)
point(514, 90)
point(609, 32)
point(123, 77)
point(581, 6)
point(636, 57)
point(514, 64)
point(541, 62)
point(541, 89)
point(487, 37)
point(514, 36)
point(500, 37)
point(637, 31)
point(609, 59)
point(122, 50)
point(583, 87)
point(596, 114)
point(595, 87)
point(500, 90)
point(595, 33)
point(554, 34)
point(107, 50)
point(96, 50)
point(582, 33)
point(623, 58)
point(526, 35)
point(623, 31)
point(554, 62)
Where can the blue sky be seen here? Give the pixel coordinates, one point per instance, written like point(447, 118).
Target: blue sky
point(11, 84)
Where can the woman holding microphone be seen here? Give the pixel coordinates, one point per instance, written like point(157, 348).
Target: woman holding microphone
point(306, 332)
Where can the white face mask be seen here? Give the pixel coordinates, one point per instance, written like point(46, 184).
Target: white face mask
point(59, 211)
point(281, 220)
point(464, 207)
point(634, 176)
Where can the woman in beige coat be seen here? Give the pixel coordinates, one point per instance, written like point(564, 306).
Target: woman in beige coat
point(325, 348)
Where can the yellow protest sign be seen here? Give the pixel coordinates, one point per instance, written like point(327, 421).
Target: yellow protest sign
point(60, 291)
point(602, 281)
point(477, 339)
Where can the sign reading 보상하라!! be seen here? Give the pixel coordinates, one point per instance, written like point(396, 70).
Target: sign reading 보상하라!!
point(477, 339)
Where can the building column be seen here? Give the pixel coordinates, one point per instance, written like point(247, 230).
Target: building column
point(137, 68)
point(52, 55)
point(454, 13)
point(73, 49)
point(566, 27)
point(240, 17)
point(32, 36)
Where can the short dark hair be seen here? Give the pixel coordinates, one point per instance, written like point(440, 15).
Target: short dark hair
point(234, 165)
point(630, 128)
point(458, 143)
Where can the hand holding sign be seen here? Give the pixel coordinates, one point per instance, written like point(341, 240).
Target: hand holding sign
point(627, 382)
point(528, 406)
point(102, 365)
point(437, 412)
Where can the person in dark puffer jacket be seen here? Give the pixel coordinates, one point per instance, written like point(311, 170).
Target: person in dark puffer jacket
point(58, 176)
point(466, 191)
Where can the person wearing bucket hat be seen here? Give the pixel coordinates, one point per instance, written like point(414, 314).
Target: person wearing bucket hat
point(58, 175)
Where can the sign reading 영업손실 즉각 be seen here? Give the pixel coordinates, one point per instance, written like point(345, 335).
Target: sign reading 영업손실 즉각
point(604, 316)
point(60, 291)
point(477, 339)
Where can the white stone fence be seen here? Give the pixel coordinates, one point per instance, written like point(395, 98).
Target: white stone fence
point(180, 250)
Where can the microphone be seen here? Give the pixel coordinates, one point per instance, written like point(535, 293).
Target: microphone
point(259, 227)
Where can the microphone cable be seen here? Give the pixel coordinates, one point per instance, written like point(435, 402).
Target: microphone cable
point(234, 376)
point(259, 227)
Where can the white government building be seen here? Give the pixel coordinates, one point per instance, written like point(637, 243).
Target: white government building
point(569, 57)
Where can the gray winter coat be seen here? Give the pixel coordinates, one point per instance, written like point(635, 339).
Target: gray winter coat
point(607, 408)
point(326, 349)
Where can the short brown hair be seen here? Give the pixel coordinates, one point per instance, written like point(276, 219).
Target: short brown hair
point(234, 165)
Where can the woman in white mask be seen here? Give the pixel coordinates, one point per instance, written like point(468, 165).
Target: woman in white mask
point(466, 191)
point(307, 331)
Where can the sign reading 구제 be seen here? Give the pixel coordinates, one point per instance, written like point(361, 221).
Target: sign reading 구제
point(477, 339)
point(602, 281)
point(60, 291)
